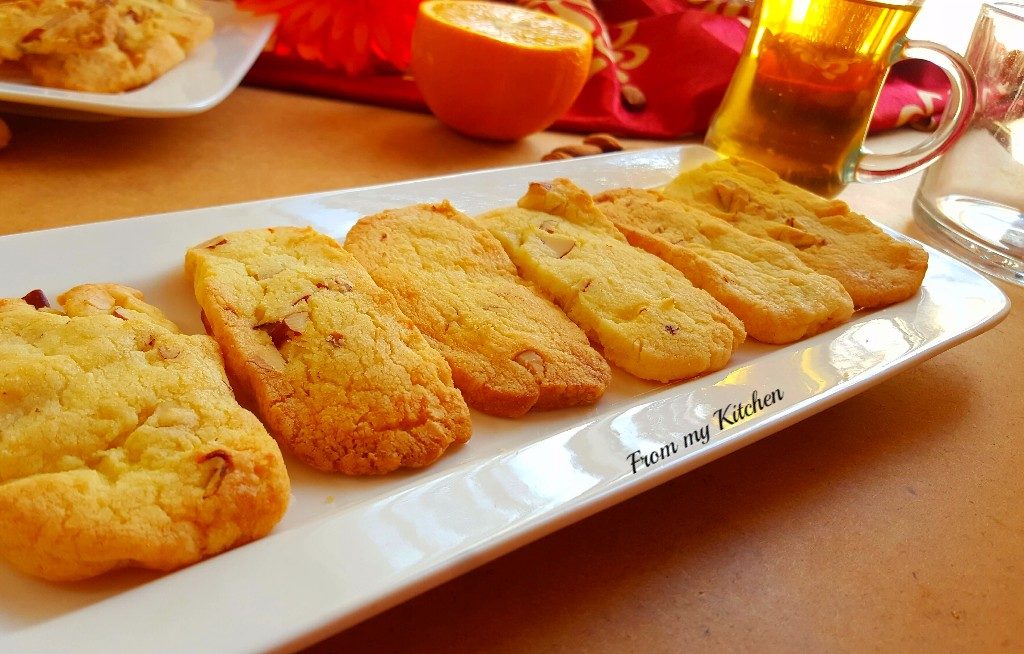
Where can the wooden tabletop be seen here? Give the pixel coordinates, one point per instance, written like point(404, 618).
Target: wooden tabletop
point(893, 521)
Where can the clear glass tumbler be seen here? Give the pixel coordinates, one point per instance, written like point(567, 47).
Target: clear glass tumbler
point(972, 199)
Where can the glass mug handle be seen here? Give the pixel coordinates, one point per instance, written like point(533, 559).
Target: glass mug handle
point(874, 167)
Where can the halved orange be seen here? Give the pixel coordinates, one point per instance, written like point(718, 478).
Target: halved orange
point(497, 71)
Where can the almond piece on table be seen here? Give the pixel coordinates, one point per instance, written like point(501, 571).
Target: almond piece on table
point(579, 149)
point(556, 155)
point(606, 142)
point(571, 151)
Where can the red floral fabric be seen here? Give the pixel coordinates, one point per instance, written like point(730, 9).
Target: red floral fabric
point(360, 37)
point(660, 67)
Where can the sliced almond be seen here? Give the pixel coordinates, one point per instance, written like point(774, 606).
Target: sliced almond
point(336, 339)
point(214, 242)
point(267, 270)
point(218, 464)
point(169, 414)
point(560, 245)
point(269, 359)
point(297, 321)
point(730, 197)
point(532, 362)
point(794, 236)
point(549, 226)
point(100, 300)
point(169, 351)
point(339, 284)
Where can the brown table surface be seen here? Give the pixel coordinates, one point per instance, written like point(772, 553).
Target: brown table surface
point(893, 521)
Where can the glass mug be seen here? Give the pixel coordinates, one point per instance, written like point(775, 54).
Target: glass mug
point(972, 200)
point(802, 96)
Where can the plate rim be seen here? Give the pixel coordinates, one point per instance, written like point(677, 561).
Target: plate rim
point(119, 105)
point(295, 634)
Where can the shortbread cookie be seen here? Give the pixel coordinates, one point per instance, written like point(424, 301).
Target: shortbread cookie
point(337, 371)
point(646, 316)
point(778, 297)
point(509, 348)
point(121, 444)
point(874, 268)
point(101, 46)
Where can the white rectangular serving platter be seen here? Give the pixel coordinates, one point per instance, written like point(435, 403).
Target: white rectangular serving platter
point(349, 548)
point(202, 81)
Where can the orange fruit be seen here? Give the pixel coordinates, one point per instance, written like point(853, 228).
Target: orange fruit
point(497, 71)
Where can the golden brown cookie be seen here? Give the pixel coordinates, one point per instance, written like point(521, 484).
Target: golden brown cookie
point(509, 348)
point(778, 297)
point(101, 46)
point(646, 316)
point(337, 371)
point(121, 444)
point(874, 268)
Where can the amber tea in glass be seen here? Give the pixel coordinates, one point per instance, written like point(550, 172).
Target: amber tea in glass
point(802, 96)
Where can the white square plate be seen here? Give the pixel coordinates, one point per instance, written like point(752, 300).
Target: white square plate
point(206, 77)
point(349, 548)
